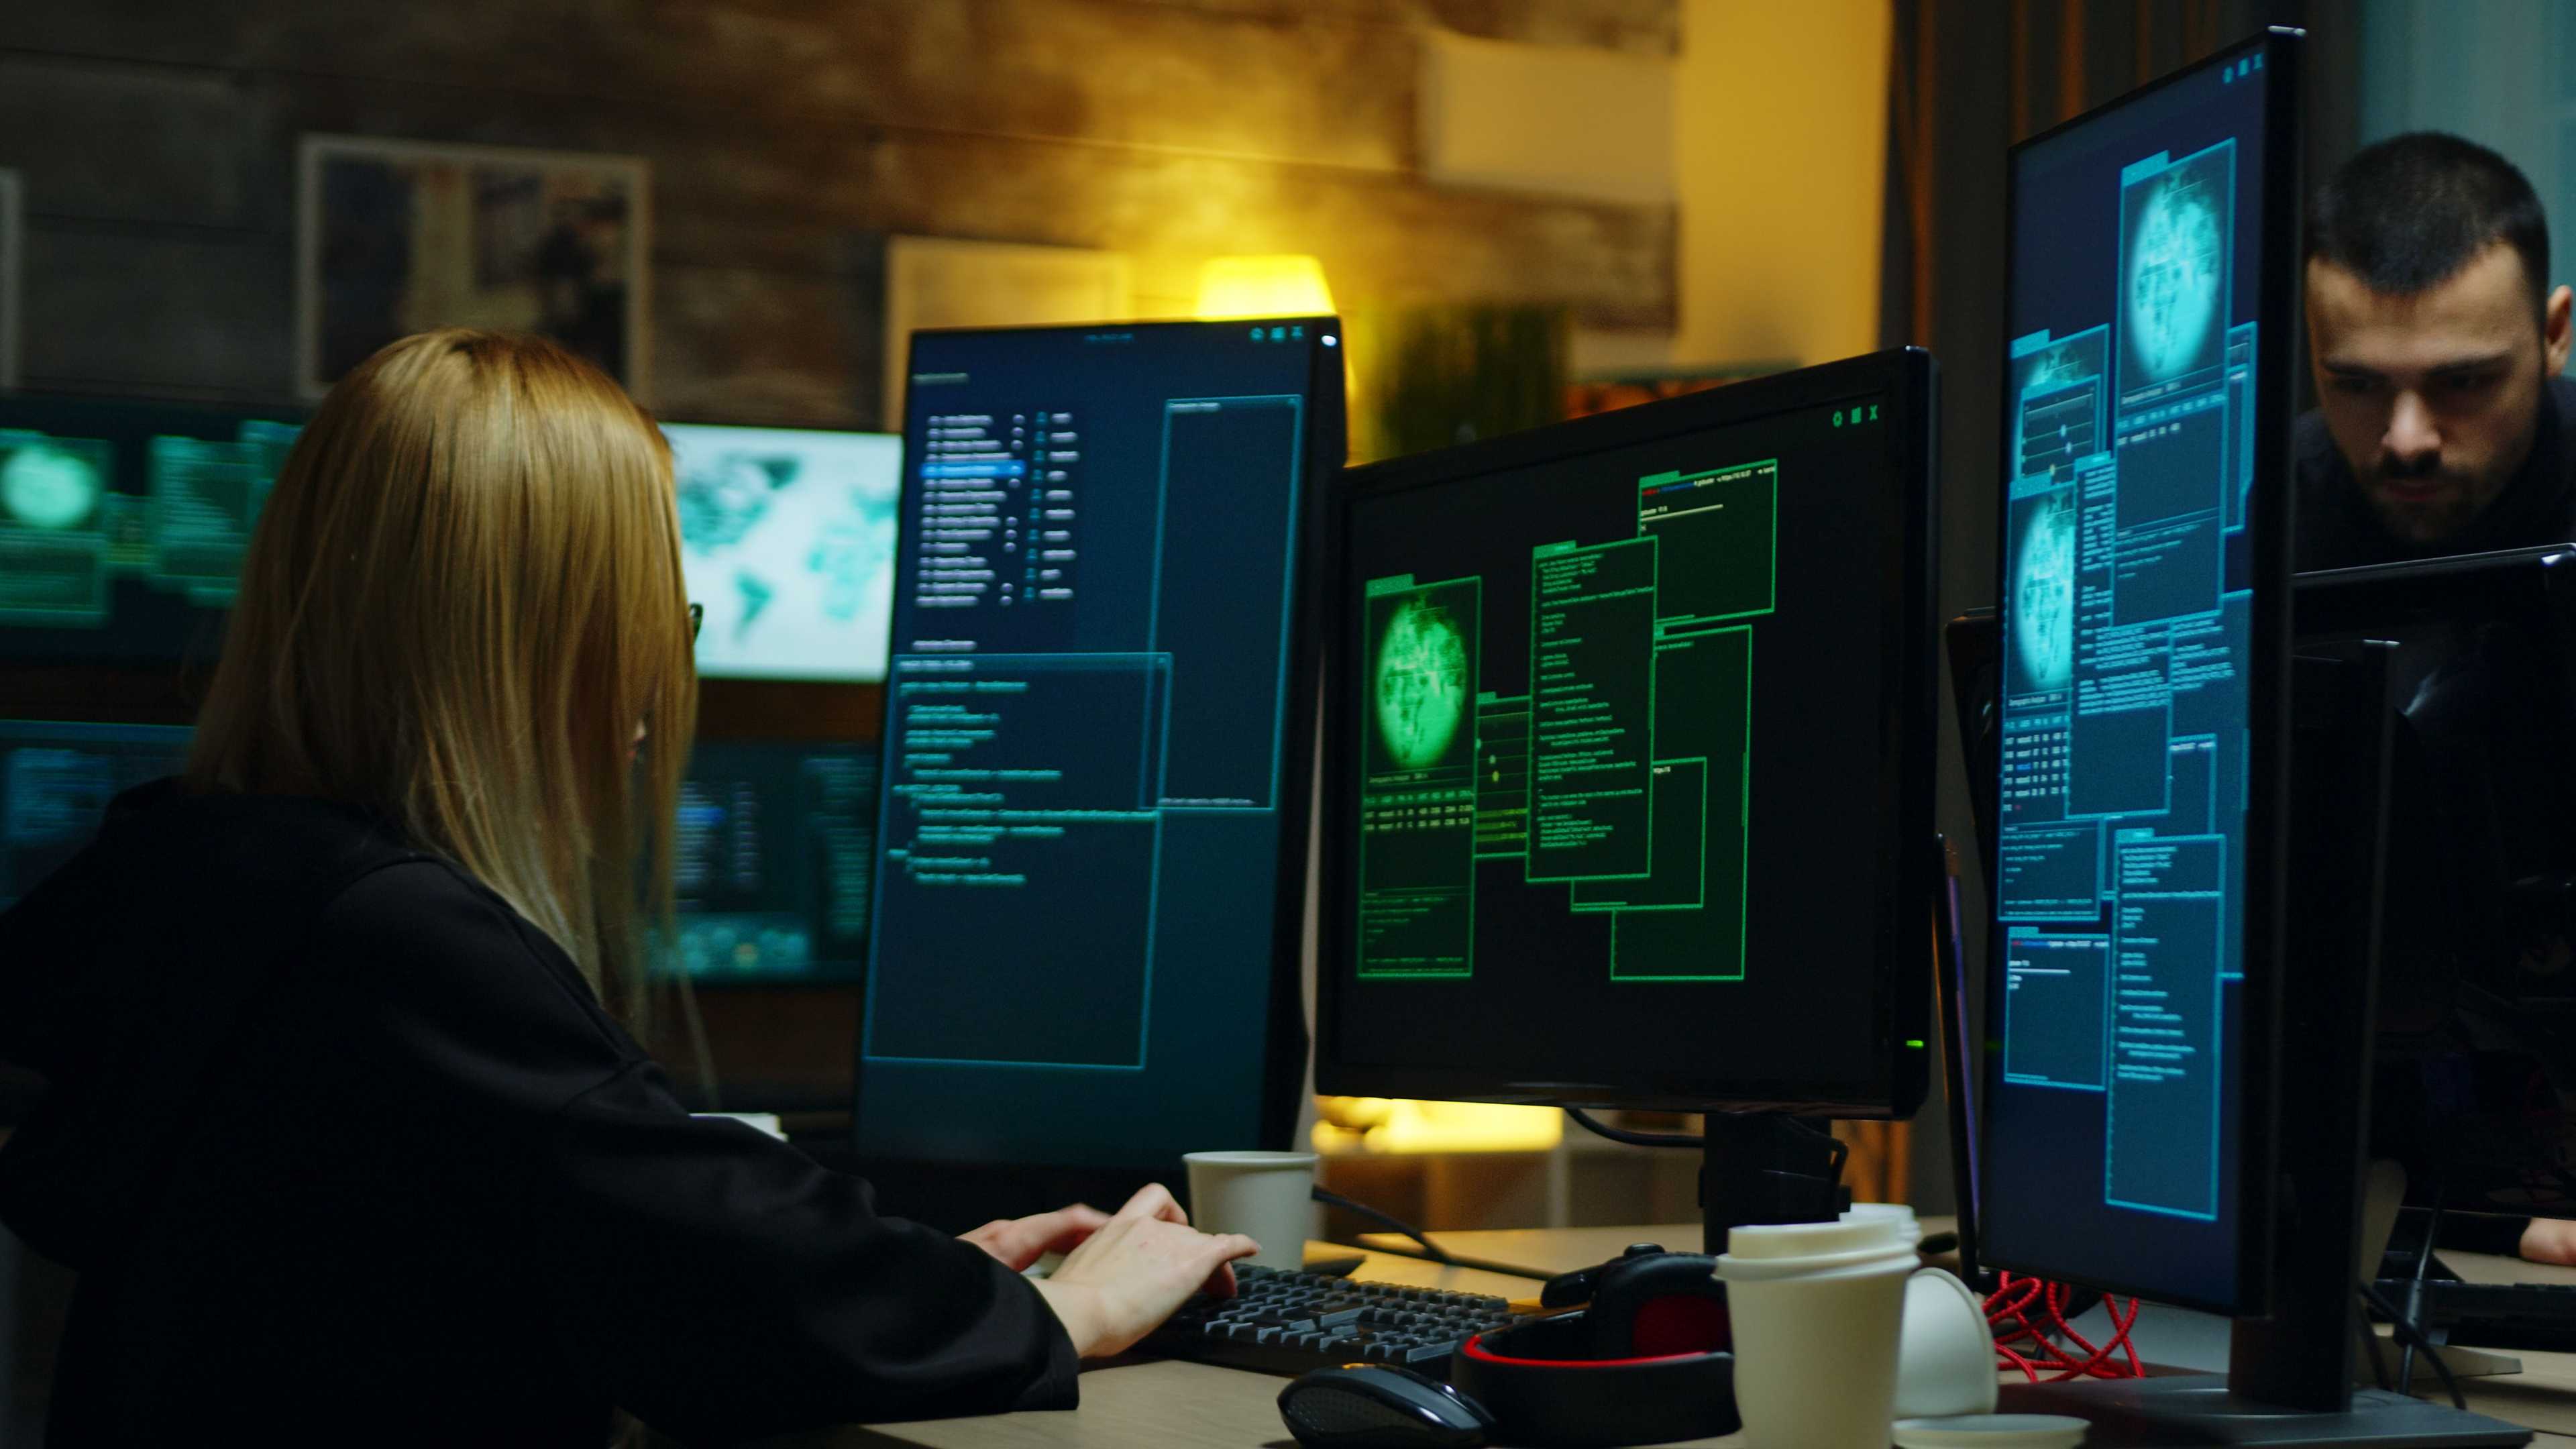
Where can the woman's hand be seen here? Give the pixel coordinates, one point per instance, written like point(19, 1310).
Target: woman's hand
point(1130, 1272)
point(1018, 1242)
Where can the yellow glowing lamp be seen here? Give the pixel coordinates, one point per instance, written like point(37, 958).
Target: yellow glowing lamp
point(1401, 1125)
point(1288, 285)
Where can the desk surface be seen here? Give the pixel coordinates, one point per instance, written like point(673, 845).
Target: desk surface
point(1196, 1406)
point(1546, 1252)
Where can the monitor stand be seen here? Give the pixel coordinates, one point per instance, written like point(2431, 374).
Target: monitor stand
point(1765, 1167)
point(2290, 1372)
point(2202, 1409)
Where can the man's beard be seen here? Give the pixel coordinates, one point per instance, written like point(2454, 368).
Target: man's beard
point(2449, 509)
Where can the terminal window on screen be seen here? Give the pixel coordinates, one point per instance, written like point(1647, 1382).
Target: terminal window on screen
point(1621, 771)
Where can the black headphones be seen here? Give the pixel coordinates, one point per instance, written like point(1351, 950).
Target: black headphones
point(1648, 1360)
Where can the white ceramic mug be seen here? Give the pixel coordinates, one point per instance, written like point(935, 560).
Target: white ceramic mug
point(1266, 1196)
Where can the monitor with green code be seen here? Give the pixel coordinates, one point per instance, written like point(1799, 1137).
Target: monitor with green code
point(1628, 757)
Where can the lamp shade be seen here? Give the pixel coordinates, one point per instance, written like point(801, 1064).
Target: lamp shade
point(1287, 285)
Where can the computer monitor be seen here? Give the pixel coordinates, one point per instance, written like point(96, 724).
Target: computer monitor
point(2476, 1019)
point(123, 525)
point(56, 779)
point(2142, 696)
point(2473, 1004)
point(2176, 1093)
point(1092, 848)
point(1628, 758)
point(787, 538)
point(776, 858)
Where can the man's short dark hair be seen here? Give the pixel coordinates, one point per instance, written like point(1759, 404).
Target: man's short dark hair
point(2408, 213)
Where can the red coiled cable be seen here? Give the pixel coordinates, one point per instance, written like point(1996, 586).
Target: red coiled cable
point(2028, 1319)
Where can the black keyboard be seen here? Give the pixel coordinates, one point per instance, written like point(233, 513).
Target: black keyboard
point(1281, 1322)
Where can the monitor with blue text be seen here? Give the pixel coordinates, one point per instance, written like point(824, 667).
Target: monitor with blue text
point(2143, 562)
point(1091, 838)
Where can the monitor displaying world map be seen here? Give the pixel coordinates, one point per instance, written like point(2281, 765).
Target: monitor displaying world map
point(787, 539)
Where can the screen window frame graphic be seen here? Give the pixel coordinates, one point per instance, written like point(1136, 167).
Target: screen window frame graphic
point(1317, 419)
point(1670, 632)
point(2265, 377)
point(1903, 382)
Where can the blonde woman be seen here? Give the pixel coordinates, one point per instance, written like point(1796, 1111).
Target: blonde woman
point(344, 1136)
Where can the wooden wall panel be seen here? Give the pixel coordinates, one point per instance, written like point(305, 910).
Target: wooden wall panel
point(1303, 88)
point(788, 138)
point(132, 143)
point(737, 345)
point(185, 314)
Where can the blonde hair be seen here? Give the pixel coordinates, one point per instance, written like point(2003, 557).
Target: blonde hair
point(462, 596)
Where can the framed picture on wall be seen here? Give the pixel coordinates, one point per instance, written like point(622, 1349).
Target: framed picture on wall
point(13, 249)
point(942, 282)
point(394, 237)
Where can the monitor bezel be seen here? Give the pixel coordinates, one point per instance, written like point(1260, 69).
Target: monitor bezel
point(2270, 548)
point(1901, 1008)
point(1282, 1039)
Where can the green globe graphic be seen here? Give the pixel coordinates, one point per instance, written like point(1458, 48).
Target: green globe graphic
point(45, 487)
point(1421, 684)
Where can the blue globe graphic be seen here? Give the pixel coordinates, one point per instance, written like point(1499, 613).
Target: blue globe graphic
point(2175, 277)
point(2043, 600)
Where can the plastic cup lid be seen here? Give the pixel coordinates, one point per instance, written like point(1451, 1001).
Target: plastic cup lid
point(1991, 1431)
point(1810, 1240)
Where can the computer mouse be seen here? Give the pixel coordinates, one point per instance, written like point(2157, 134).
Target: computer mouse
point(1380, 1406)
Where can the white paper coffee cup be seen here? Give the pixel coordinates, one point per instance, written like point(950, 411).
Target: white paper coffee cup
point(1817, 1309)
point(1266, 1196)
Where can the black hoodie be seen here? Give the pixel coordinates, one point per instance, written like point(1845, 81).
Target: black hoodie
point(344, 1149)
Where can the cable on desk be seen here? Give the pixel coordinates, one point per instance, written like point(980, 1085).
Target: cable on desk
point(2407, 1330)
point(1329, 1198)
point(2031, 1343)
point(1596, 1126)
point(1841, 1149)
point(2423, 1260)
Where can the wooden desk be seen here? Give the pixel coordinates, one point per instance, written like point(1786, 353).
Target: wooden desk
point(1161, 1403)
point(1546, 1252)
point(1197, 1406)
